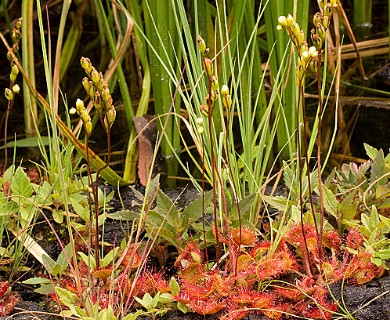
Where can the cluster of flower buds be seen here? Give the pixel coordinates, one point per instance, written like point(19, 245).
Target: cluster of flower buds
point(83, 114)
point(99, 93)
point(199, 123)
point(321, 22)
point(213, 80)
point(306, 56)
point(16, 36)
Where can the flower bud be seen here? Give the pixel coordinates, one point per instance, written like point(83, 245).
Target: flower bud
point(86, 64)
point(208, 65)
point(111, 115)
point(325, 22)
point(18, 24)
point(200, 129)
point(86, 84)
point(201, 45)
point(296, 30)
point(15, 88)
point(321, 32)
point(204, 109)
point(94, 75)
point(227, 101)
point(317, 19)
point(282, 21)
point(97, 102)
point(199, 121)
point(105, 93)
point(225, 90)
point(88, 126)
point(72, 110)
point(84, 115)
point(327, 12)
point(214, 83)
point(313, 52)
point(279, 27)
point(79, 105)
point(290, 20)
point(9, 94)
point(100, 83)
point(16, 35)
point(300, 38)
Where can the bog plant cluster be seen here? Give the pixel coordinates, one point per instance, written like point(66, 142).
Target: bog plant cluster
point(235, 250)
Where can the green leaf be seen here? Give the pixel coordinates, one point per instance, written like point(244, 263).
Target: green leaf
point(83, 212)
point(109, 257)
point(174, 286)
point(165, 298)
point(193, 211)
point(182, 307)
point(21, 184)
point(48, 262)
point(62, 260)
point(245, 205)
point(371, 151)
point(88, 260)
point(36, 280)
point(28, 142)
point(66, 297)
point(166, 207)
point(123, 215)
point(384, 254)
point(330, 202)
point(133, 316)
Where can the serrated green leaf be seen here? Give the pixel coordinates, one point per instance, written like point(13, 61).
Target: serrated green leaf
point(245, 205)
point(167, 208)
point(370, 151)
point(193, 211)
point(21, 184)
point(330, 202)
point(80, 210)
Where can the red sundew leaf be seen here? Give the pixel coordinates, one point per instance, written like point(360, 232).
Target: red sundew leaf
point(205, 307)
point(246, 237)
point(354, 239)
point(8, 303)
point(4, 285)
point(102, 273)
point(289, 293)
